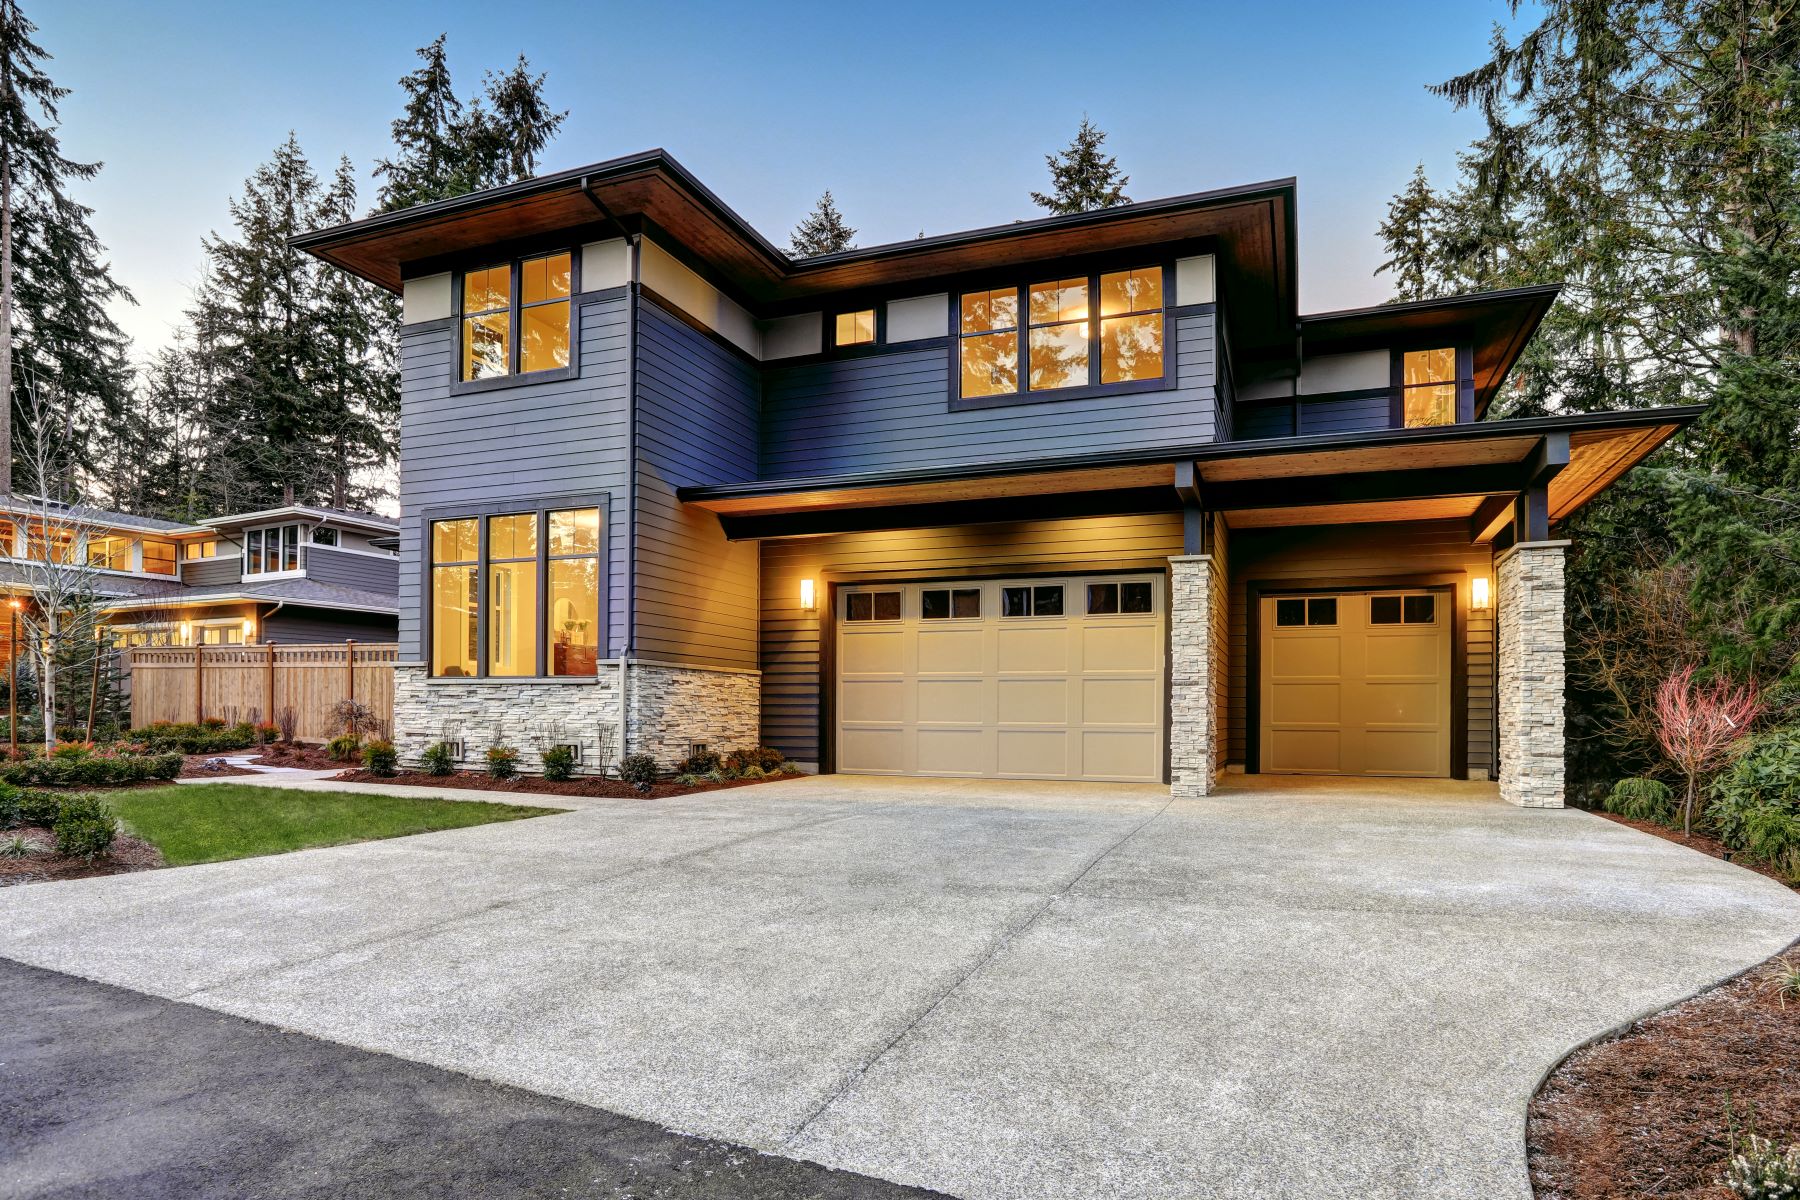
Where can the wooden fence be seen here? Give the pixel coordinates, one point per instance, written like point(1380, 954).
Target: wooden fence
point(255, 683)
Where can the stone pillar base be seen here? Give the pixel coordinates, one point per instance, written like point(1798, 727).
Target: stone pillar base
point(1531, 673)
point(1193, 678)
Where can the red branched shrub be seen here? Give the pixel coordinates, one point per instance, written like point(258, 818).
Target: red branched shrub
point(1696, 725)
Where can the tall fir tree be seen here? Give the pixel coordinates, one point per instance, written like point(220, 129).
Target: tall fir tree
point(1410, 235)
point(1082, 177)
point(444, 147)
point(55, 283)
point(824, 231)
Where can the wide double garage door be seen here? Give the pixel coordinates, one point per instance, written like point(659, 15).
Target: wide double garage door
point(1356, 683)
point(1058, 678)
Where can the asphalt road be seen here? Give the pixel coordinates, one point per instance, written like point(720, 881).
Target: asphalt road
point(109, 1093)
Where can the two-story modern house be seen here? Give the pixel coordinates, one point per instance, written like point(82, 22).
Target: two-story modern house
point(284, 575)
point(1084, 497)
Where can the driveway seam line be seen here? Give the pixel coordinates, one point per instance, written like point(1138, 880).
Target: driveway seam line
point(1005, 939)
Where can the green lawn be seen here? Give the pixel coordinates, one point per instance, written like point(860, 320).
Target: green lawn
point(215, 821)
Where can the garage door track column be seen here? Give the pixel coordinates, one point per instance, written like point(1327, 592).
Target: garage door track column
point(1531, 673)
point(1193, 711)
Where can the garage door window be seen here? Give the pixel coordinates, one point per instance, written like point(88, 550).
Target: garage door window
point(872, 606)
point(937, 604)
point(1044, 601)
point(1403, 610)
point(1105, 599)
point(1319, 610)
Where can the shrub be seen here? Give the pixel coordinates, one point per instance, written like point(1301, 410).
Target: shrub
point(1697, 725)
point(1642, 800)
point(380, 756)
point(502, 762)
point(209, 737)
point(84, 828)
point(702, 762)
point(287, 721)
point(1756, 800)
point(1787, 981)
point(9, 806)
point(762, 757)
point(689, 779)
point(212, 723)
point(559, 763)
point(39, 808)
point(639, 770)
point(18, 846)
point(266, 733)
point(345, 747)
point(1760, 1170)
point(437, 759)
point(93, 770)
point(67, 750)
point(753, 772)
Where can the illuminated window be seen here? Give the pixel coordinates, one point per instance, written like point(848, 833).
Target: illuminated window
point(1428, 387)
point(208, 548)
point(1081, 331)
point(454, 569)
point(512, 594)
point(854, 328)
point(574, 592)
point(159, 557)
point(109, 553)
point(58, 546)
point(532, 294)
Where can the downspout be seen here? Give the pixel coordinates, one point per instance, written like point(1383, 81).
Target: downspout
point(633, 283)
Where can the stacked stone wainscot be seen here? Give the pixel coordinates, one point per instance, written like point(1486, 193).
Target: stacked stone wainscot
point(1193, 677)
point(1530, 614)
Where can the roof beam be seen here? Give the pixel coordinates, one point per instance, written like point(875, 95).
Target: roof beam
point(1365, 486)
point(815, 521)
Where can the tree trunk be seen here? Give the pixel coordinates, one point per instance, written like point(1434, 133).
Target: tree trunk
point(46, 656)
point(6, 323)
point(1687, 809)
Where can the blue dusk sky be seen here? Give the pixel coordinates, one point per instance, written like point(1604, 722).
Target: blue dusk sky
point(932, 117)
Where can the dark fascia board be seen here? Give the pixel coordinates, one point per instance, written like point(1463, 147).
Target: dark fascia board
point(1546, 292)
point(1680, 415)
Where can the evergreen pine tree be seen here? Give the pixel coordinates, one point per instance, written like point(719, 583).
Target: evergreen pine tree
point(1082, 178)
point(823, 231)
point(54, 281)
point(1410, 236)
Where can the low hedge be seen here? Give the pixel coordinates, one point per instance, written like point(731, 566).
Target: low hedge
point(208, 737)
point(91, 770)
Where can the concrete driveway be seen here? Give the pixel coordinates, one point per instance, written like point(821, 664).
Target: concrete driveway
point(994, 990)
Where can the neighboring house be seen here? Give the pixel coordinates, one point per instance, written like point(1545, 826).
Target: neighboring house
point(290, 574)
point(1084, 497)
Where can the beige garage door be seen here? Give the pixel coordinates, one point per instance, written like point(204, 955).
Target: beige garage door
point(1356, 683)
point(1016, 679)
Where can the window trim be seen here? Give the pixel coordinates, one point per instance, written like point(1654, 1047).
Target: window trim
point(514, 377)
point(833, 346)
point(1465, 380)
point(543, 506)
point(1021, 283)
point(298, 570)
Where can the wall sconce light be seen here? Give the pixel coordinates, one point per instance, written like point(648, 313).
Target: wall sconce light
point(1478, 596)
point(249, 630)
point(809, 601)
point(187, 633)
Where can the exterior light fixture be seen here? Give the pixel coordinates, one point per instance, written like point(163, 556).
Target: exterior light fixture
point(1478, 597)
point(809, 602)
point(249, 630)
point(15, 604)
point(187, 633)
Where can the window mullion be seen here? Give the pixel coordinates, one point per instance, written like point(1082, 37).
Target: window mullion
point(1093, 324)
point(481, 597)
point(541, 619)
point(516, 279)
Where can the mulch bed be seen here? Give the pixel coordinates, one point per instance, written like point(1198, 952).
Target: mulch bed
point(193, 766)
point(128, 854)
point(1711, 847)
point(586, 786)
point(1644, 1114)
point(295, 754)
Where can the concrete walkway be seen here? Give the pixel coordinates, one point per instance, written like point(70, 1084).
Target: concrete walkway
point(1324, 989)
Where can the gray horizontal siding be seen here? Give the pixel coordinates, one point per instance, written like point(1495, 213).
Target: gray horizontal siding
point(524, 443)
point(205, 572)
point(1265, 421)
point(1346, 415)
point(364, 572)
point(291, 626)
point(697, 423)
point(891, 411)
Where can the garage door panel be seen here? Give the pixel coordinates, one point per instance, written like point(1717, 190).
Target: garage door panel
point(1032, 701)
point(1122, 755)
point(1045, 691)
point(881, 700)
point(950, 651)
point(954, 752)
point(1037, 753)
point(1032, 648)
point(952, 701)
point(1341, 695)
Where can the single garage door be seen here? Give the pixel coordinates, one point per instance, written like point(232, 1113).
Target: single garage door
point(1356, 683)
point(1016, 679)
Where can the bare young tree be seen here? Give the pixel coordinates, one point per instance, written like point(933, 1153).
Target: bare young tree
point(61, 615)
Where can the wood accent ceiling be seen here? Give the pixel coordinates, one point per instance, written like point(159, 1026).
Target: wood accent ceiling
point(1597, 458)
point(1043, 483)
point(1359, 513)
point(1355, 459)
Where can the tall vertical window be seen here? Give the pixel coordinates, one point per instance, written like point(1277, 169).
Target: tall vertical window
point(1083, 331)
point(531, 296)
point(159, 556)
point(518, 594)
point(512, 594)
point(268, 551)
point(573, 633)
point(1428, 387)
point(455, 567)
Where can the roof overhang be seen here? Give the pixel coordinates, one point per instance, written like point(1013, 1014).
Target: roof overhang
point(1497, 324)
point(214, 600)
point(1445, 472)
point(324, 516)
point(1250, 228)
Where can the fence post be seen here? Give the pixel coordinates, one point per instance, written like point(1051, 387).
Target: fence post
point(350, 685)
point(269, 688)
point(199, 687)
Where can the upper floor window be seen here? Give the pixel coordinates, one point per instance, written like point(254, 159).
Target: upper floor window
point(159, 556)
point(1428, 387)
point(515, 317)
point(55, 545)
point(109, 553)
point(1081, 331)
point(205, 548)
point(272, 550)
point(854, 328)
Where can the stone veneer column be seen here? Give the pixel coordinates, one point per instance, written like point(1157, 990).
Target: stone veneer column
point(1530, 700)
point(1193, 682)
